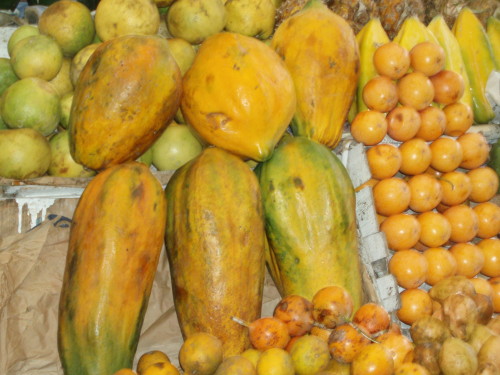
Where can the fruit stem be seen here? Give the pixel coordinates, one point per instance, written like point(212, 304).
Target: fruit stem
point(355, 326)
point(240, 321)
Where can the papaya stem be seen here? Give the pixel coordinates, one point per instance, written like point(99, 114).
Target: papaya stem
point(355, 326)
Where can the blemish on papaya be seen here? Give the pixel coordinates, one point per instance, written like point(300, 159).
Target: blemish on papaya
point(217, 120)
point(138, 191)
point(236, 67)
point(297, 181)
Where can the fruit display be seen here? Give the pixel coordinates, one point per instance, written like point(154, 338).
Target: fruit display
point(253, 109)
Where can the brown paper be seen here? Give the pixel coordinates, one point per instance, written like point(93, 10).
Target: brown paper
point(31, 271)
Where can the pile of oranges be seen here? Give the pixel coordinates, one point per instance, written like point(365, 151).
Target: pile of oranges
point(431, 187)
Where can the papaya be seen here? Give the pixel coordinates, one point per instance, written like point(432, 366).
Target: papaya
point(125, 96)
point(412, 32)
point(215, 242)
point(454, 60)
point(370, 37)
point(478, 59)
point(309, 208)
point(320, 51)
point(493, 31)
point(116, 237)
point(238, 95)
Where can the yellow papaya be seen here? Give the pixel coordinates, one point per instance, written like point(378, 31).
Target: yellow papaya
point(238, 95)
point(116, 237)
point(126, 95)
point(478, 59)
point(412, 32)
point(309, 206)
point(215, 241)
point(370, 37)
point(454, 60)
point(320, 51)
point(493, 31)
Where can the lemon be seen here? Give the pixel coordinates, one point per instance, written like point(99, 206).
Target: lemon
point(20, 33)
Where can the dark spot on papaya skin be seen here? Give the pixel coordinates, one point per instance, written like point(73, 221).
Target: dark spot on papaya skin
point(217, 120)
point(271, 186)
point(138, 191)
point(236, 67)
point(297, 260)
point(297, 181)
point(283, 306)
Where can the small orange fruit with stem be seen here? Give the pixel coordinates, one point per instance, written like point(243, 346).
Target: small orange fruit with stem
point(426, 192)
point(484, 181)
point(267, 332)
point(415, 156)
point(432, 123)
point(415, 90)
point(391, 196)
point(440, 264)
point(475, 149)
point(455, 187)
point(402, 231)
point(332, 305)
point(435, 229)
point(391, 60)
point(296, 312)
point(415, 304)
point(346, 341)
point(469, 258)
point(428, 58)
point(409, 267)
point(380, 94)
point(464, 223)
point(372, 317)
point(403, 123)
point(488, 214)
point(384, 160)
point(369, 127)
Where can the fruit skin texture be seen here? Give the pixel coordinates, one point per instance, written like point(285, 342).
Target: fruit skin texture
point(115, 243)
point(238, 95)
point(216, 255)
point(478, 59)
point(493, 31)
point(126, 95)
point(305, 181)
point(321, 53)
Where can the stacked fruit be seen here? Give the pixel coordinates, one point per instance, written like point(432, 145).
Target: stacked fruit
point(431, 187)
point(322, 336)
point(461, 336)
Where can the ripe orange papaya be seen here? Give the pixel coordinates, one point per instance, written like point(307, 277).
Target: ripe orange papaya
point(320, 51)
point(309, 208)
point(238, 95)
point(125, 96)
point(215, 243)
point(115, 242)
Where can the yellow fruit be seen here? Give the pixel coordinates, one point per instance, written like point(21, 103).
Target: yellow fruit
point(150, 358)
point(201, 353)
point(69, 23)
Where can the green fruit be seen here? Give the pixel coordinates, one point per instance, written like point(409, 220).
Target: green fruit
point(24, 153)
point(79, 61)
point(7, 74)
point(20, 33)
point(175, 147)
point(37, 56)
point(65, 108)
point(147, 157)
point(70, 24)
point(62, 163)
point(310, 354)
point(31, 103)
